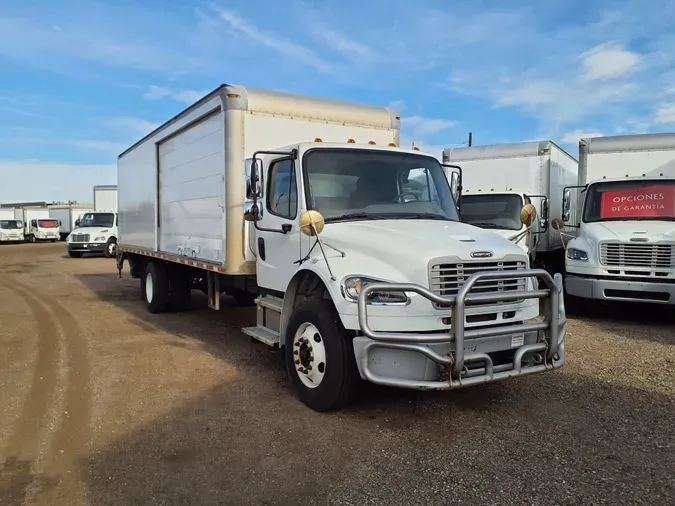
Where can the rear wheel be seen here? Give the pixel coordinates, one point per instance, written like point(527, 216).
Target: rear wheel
point(156, 288)
point(320, 356)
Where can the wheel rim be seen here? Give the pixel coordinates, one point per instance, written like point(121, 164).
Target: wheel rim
point(309, 355)
point(111, 248)
point(149, 288)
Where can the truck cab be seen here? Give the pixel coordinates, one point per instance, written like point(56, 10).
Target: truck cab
point(624, 248)
point(95, 232)
point(371, 236)
point(11, 231)
point(499, 211)
point(43, 230)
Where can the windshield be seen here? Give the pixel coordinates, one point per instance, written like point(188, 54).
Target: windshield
point(97, 220)
point(48, 223)
point(630, 200)
point(351, 184)
point(498, 210)
point(11, 224)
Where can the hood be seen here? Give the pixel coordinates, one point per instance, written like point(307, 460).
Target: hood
point(92, 231)
point(416, 242)
point(652, 231)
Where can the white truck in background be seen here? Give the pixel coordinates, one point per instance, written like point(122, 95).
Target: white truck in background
point(37, 225)
point(11, 229)
point(97, 230)
point(499, 179)
point(624, 248)
point(68, 216)
point(309, 209)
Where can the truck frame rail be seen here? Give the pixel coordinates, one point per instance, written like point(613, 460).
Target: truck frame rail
point(550, 333)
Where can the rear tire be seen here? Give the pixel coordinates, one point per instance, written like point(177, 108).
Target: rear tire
point(317, 343)
point(156, 288)
point(75, 254)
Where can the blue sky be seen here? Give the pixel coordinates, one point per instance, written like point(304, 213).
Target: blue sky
point(82, 80)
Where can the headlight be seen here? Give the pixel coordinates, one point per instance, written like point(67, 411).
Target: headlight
point(577, 254)
point(99, 239)
point(351, 288)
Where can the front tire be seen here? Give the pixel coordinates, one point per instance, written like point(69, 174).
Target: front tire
point(320, 356)
point(156, 288)
point(110, 248)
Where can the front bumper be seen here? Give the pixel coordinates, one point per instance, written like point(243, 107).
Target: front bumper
point(12, 239)
point(619, 290)
point(464, 357)
point(86, 247)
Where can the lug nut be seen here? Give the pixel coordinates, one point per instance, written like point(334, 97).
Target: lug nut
point(297, 362)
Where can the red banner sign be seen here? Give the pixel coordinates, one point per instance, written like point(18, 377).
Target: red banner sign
point(48, 223)
point(650, 201)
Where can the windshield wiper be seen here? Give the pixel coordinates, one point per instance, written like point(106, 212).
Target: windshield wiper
point(484, 224)
point(355, 216)
point(428, 216)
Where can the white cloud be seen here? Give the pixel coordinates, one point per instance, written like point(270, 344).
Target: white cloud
point(132, 124)
point(666, 114)
point(418, 126)
point(283, 46)
point(52, 180)
point(184, 96)
point(608, 61)
point(574, 136)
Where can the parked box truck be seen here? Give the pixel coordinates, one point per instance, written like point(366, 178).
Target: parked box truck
point(624, 247)
point(68, 216)
point(499, 179)
point(37, 224)
point(350, 246)
point(97, 230)
point(11, 229)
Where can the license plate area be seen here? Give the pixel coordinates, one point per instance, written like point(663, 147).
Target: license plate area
point(498, 343)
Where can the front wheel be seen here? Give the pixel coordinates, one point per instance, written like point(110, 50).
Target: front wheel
point(320, 356)
point(110, 248)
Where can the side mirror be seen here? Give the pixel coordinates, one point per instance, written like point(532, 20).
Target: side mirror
point(557, 224)
point(543, 223)
point(311, 223)
point(77, 222)
point(527, 214)
point(454, 186)
point(566, 203)
point(251, 211)
point(248, 169)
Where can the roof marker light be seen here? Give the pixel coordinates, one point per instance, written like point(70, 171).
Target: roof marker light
point(350, 141)
point(371, 142)
point(317, 139)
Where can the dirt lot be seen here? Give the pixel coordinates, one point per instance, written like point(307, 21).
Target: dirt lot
point(103, 403)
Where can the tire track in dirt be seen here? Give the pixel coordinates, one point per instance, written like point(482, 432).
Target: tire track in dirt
point(72, 435)
point(22, 447)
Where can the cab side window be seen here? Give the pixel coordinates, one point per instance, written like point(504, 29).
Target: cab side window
point(282, 191)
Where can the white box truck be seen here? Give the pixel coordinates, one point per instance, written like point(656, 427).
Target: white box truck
point(97, 230)
point(68, 216)
point(624, 247)
point(499, 179)
point(350, 246)
point(11, 229)
point(37, 224)
point(105, 198)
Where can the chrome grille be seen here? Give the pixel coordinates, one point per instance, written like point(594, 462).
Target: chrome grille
point(79, 238)
point(447, 278)
point(637, 255)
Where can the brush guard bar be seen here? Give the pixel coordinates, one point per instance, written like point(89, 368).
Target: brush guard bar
point(550, 332)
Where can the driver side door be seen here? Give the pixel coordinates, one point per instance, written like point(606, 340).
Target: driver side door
point(278, 245)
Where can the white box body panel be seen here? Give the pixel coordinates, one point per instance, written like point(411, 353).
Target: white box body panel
point(68, 216)
point(532, 168)
point(7, 213)
point(191, 174)
point(182, 187)
point(105, 198)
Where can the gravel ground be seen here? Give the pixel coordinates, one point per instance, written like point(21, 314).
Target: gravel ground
point(103, 403)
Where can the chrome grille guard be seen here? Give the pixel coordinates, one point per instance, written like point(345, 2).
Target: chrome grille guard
point(550, 332)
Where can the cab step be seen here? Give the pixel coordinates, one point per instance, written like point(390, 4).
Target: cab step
point(263, 334)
